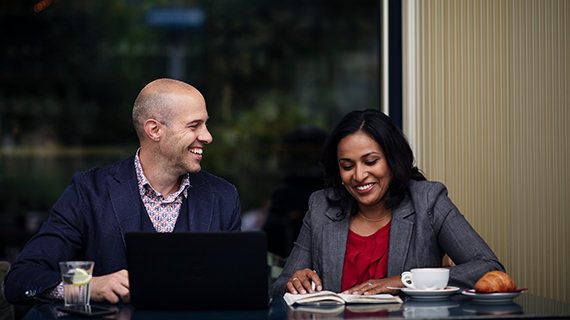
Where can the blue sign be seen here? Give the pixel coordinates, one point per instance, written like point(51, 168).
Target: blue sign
point(176, 17)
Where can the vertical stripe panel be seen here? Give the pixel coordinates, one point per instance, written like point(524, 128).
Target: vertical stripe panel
point(491, 94)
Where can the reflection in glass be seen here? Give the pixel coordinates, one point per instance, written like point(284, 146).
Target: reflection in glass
point(69, 71)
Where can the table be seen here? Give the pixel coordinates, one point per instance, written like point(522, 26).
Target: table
point(526, 306)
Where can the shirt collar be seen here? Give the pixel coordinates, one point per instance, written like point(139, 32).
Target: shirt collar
point(145, 186)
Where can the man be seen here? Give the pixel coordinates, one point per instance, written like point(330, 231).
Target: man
point(160, 188)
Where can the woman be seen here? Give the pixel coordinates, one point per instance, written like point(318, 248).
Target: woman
point(378, 217)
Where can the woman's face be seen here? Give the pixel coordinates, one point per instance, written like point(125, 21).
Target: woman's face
point(363, 169)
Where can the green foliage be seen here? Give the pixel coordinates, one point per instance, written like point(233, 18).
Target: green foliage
point(244, 150)
point(70, 75)
point(32, 180)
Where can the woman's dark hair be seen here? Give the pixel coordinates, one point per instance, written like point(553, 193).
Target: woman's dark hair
point(397, 151)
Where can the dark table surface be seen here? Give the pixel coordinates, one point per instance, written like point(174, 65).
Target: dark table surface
point(457, 306)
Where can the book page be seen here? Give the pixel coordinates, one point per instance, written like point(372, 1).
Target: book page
point(329, 297)
point(373, 298)
point(311, 298)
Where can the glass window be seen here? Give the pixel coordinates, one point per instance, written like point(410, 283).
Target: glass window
point(276, 76)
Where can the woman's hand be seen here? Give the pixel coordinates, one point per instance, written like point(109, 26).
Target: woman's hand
point(375, 286)
point(300, 282)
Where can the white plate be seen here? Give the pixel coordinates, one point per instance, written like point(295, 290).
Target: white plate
point(430, 295)
point(498, 297)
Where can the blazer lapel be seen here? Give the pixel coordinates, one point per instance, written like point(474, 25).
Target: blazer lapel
point(200, 204)
point(334, 237)
point(125, 197)
point(400, 235)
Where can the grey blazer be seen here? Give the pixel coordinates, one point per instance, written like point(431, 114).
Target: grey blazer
point(424, 227)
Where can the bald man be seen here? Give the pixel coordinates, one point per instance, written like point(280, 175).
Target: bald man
point(159, 188)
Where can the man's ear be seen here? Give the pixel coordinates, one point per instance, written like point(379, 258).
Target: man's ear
point(152, 129)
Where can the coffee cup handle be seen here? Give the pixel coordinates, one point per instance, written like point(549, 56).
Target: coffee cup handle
point(407, 279)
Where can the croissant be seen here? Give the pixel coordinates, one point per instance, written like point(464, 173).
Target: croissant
point(495, 281)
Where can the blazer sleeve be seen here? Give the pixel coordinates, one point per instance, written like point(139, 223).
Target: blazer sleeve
point(36, 269)
point(471, 254)
point(301, 254)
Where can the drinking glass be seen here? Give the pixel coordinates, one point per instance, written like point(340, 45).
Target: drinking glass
point(76, 276)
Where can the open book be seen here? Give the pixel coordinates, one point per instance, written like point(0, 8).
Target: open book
point(329, 297)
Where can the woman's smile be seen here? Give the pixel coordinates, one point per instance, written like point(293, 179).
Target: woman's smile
point(363, 169)
point(364, 188)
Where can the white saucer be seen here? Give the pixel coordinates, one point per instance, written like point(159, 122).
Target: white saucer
point(430, 295)
point(497, 298)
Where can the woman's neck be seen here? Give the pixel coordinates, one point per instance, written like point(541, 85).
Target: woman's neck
point(367, 222)
point(375, 213)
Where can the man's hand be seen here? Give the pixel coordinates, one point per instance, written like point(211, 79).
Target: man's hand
point(111, 287)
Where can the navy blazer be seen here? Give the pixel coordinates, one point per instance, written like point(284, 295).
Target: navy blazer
point(90, 219)
point(424, 227)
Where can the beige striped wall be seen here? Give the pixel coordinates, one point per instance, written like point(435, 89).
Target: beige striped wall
point(486, 109)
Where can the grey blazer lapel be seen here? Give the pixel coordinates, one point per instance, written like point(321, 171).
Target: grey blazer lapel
point(400, 235)
point(334, 237)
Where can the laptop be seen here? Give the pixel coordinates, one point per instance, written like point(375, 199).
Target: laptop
point(198, 270)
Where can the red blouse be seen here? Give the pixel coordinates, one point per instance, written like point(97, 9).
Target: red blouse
point(366, 257)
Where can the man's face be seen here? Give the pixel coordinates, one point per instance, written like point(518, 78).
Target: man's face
point(185, 134)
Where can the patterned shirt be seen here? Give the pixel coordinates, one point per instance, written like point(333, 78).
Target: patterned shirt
point(163, 212)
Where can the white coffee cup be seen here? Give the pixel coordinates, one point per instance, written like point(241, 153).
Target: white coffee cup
point(426, 278)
